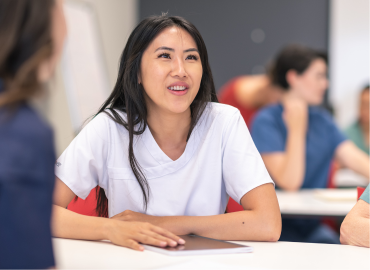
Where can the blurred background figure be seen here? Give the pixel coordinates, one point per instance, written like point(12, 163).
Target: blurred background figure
point(249, 94)
point(358, 132)
point(31, 41)
point(298, 140)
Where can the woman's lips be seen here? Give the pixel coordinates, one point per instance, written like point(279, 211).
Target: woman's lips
point(178, 88)
point(182, 91)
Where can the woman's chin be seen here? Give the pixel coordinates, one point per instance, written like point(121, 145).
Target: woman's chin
point(178, 108)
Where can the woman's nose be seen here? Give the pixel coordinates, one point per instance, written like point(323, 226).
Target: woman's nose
point(178, 68)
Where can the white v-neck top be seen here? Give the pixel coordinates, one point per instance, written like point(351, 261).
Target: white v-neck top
point(220, 160)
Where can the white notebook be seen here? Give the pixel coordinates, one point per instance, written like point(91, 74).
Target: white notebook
point(197, 245)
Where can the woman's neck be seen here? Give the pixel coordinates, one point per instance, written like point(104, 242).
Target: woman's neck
point(170, 130)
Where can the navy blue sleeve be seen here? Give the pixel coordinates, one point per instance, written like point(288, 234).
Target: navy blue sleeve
point(26, 186)
point(334, 133)
point(266, 133)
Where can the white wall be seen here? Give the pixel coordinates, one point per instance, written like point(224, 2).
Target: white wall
point(116, 19)
point(348, 55)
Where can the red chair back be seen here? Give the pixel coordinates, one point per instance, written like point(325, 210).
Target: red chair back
point(360, 190)
point(85, 207)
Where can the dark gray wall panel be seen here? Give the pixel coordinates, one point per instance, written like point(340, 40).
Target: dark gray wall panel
point(226, 26)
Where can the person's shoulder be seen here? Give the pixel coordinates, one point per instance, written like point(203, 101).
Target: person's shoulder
point(106, 123)
point(269, 113)
point(221, 109)
point(354, 128)
point(25, 124)
point(25, 138)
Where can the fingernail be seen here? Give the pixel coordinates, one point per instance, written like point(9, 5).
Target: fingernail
point(163, 244)
point(181, 241)
point(173, 243)
point(141, 248)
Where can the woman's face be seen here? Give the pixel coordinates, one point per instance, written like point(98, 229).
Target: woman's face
point(58, 34)
point(312, 83)
point(171, 71)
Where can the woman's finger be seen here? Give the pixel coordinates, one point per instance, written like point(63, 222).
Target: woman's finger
point(169, 241)
point(168, 234)
point(146, 239)
point(134, 245)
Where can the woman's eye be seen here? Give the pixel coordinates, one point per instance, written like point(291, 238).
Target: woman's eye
point(164, 55)
point(192, 57)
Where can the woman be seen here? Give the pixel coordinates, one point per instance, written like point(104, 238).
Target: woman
point(298, 140)
point(31, 40)
point(164, 152)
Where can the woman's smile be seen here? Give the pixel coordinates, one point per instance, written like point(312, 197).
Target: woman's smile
point(178, 88)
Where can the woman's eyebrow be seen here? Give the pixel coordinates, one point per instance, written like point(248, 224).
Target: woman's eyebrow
point(172, 50)
point(165, 48)
point(192, 50)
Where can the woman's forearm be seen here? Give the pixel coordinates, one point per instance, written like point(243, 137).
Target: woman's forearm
point(67, 224)
point(291, 174)
point(243, 225)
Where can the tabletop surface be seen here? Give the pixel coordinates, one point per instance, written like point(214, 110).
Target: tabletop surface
point(75, 254)
point(320, 202)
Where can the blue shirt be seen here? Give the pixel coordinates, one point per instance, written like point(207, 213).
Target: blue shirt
point(26, 186)
point(269, 133)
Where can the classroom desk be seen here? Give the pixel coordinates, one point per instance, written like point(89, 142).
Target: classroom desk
point(349, 178)
point(307, 203)
point(75, 254)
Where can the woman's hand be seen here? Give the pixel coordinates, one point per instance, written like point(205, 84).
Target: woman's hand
point(130, 234)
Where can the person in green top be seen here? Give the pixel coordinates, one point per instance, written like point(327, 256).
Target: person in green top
point(355, 227)
point(358, 132)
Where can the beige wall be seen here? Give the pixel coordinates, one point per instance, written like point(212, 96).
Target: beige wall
point(349, 56)
point(116, 19)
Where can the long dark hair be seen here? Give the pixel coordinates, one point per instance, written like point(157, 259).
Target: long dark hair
point(128, 94)
point(25, 42)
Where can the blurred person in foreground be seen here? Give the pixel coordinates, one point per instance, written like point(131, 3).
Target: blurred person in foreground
point(355, 227)
point(298, 140)
point(249, 94)
point(358, 132)
point(32, 34)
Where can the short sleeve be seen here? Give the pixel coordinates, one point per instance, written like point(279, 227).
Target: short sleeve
point(242, 165)
point(267, 135)
point(82, 166)
point(366, 195)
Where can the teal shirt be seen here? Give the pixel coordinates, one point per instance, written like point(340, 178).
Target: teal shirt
point(366, 195)
point(354, 133)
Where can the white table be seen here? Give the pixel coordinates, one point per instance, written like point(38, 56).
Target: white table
point(74, 254)
point(349, 178)
point(308, 203)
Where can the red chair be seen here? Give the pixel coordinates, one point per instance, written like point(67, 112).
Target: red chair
point(85, 207)
point(360, 190)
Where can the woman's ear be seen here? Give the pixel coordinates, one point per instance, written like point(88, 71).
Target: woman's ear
point(291, 77)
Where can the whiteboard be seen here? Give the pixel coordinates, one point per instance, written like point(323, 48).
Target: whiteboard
point(84, 69)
